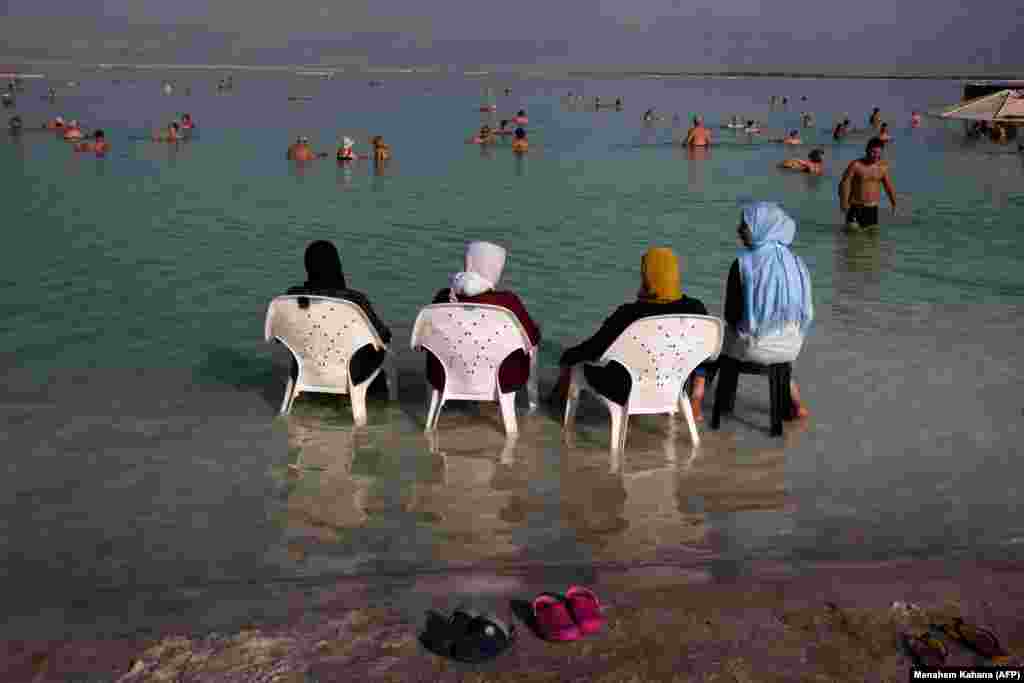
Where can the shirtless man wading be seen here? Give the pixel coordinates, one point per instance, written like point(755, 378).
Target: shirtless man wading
point(698, 136)
point(859, 191)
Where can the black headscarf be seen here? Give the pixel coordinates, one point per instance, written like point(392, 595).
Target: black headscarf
point(323, 267)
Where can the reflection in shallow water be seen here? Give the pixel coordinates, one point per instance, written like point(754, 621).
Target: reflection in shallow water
point(468, 494)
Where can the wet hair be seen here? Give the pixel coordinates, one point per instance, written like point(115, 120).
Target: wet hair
point(816, 155)
point(520, 134)
point(874, 142)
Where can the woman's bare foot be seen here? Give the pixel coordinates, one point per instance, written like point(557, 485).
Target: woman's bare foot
point(799, 409)
point(697, 398)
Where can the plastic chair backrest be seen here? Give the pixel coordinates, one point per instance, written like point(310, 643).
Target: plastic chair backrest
point(660, 352)
point(470, 341)
point(322, 336)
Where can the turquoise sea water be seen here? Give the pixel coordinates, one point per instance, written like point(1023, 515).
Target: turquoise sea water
point(138, 284)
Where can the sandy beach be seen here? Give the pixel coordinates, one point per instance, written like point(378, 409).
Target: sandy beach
point(665, 623)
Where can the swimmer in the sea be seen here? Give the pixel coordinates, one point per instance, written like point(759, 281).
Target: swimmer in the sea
point(698, 135)
point(98, 144)
point(484, 137)
point(300, 150)
point(841, 130)
point(812, 164)
point(381, 150)
point(520, 144)
point(792, 138)
point(173, 133)
point(346, 151)
point(72, 131)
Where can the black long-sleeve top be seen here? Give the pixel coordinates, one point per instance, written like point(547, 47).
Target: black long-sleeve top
point(352, 295)
point(624, 315)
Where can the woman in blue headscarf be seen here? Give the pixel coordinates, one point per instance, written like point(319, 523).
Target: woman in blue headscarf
point(768, 306)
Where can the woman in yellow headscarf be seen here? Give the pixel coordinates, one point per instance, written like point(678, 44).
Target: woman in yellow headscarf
point(660, 294)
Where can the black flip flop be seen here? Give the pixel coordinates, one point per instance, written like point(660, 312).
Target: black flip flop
point(466, 636)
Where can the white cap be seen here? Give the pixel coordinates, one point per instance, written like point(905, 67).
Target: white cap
point(347, 142)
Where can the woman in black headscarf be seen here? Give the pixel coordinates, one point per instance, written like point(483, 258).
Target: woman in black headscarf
point(326, 278)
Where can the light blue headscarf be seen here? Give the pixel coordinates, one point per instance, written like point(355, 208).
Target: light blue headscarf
point(776, 282)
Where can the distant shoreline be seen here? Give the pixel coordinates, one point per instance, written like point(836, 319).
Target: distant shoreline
point(510, 71)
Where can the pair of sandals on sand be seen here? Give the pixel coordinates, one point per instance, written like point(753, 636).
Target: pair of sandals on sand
point(472, 637)
point(930, 651)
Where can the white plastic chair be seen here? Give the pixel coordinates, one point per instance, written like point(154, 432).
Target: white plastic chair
point(322, 339)
point(471, 341)
point(659, 353)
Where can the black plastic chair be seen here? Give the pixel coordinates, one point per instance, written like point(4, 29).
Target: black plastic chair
point(779, 374)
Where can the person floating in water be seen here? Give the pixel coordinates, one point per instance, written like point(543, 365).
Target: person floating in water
point(860, 189)
point(698, 135)
point(812, 164)
point(98, 144)
point(792, 138)
point(520, 144)
point(484, 137)
point(72, 131)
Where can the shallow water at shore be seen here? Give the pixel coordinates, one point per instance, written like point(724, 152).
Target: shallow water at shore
point(151, 464)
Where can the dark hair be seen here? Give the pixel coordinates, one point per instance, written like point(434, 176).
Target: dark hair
point(175, 126)
point(504, 122)
point(875, 142)
point(794, 132)
point(98, 134)
point(884, 124)
point(520, 133)
point(816, 155)
point(522, 112)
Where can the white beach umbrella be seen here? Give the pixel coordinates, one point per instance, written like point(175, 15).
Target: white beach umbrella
point(1006, 106)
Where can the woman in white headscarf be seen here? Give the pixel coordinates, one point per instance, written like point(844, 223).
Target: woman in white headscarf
point(477, 284)
point(768, 304)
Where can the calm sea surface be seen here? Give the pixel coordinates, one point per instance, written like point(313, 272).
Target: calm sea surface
point(141, 448)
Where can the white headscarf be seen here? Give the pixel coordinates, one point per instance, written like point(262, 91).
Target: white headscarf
point(484, 263)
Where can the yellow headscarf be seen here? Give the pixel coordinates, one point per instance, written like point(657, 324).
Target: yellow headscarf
point(659, 269)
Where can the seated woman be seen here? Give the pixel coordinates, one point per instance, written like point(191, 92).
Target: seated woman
point(477, 284)
point(660, 294)
point(768, 307)
point(326, 278)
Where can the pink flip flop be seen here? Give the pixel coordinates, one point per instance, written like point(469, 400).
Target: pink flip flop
point(553, 619)
point(586, 609)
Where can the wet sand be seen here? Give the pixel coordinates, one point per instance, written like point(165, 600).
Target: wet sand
point(667, 623)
